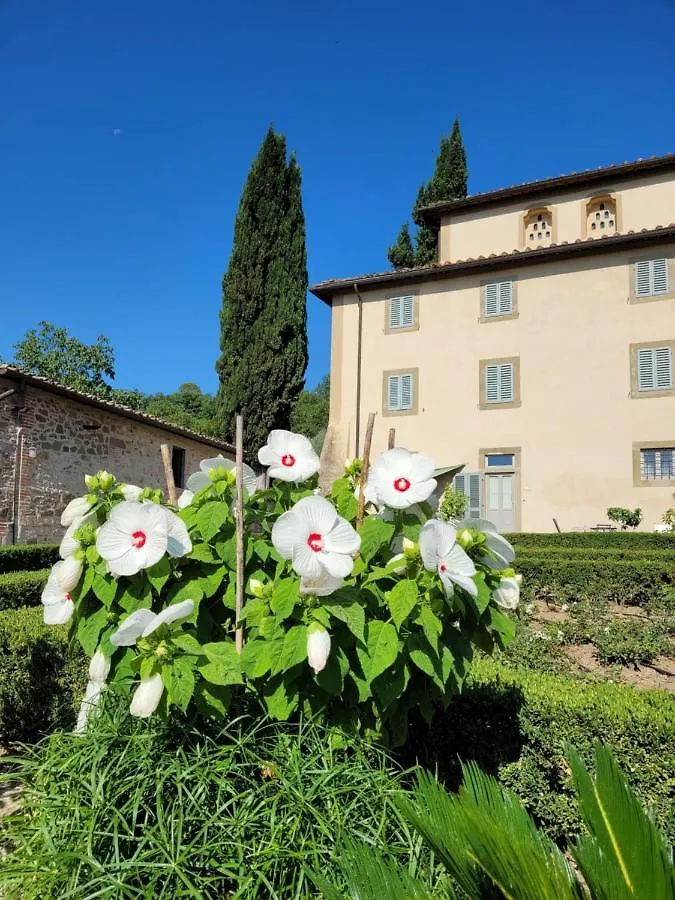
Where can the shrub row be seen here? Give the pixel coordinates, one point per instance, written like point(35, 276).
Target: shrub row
point(631, 581)
point(19, 589)
point(596, 540)
point(42, 679)
point(604, 553)
point(514, 724)
point(27, 557)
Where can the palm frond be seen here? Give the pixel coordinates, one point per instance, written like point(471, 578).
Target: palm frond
point(625, 855)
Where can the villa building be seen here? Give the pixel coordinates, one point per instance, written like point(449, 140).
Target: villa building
point(538, 351)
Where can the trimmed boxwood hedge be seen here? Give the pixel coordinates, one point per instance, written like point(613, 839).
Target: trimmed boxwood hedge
point(596, 540)
point(19, 589)
point(631, 581)
point(27, 557)
point(42, 678)
point(514, 724)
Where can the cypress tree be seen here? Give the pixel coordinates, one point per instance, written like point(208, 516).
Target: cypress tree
point(263, 320)
point(402, 254)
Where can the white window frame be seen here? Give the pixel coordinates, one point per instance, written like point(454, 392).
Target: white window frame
point(499, 376)
point(399, 404)
point(497, 299)
point(654, 367)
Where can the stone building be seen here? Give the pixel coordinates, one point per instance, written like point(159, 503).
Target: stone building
point(52, 436)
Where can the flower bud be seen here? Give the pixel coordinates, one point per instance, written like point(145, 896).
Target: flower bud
point(75, 509)
point(410, 548)
point(147, 696)
point(256, 587)
point(68, 573)
point(519, 579)
point(318, 648)
point(91, 481)
point(465, 538)
point(131, 491)
point(99, 668)
point(507, 594)
point(105, 480)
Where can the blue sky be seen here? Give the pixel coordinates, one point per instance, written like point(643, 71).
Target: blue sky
point(128, 129)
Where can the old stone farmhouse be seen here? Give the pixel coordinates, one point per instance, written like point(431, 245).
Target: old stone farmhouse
point(51, 436)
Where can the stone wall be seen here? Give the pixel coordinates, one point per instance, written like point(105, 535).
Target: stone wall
point(55, 441)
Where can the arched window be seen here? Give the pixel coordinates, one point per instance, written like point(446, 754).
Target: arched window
point(538, 228)
point(601, 216)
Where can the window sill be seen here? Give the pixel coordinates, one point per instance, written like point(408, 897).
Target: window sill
point(514, 404)
point(485, 319)
point(650, 395)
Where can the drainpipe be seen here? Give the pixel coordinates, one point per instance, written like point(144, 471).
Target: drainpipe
point(8, 393)
point(18, 463)
point(358, 368)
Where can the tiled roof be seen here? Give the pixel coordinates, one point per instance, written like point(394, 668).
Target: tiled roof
point(16, 374)
point(614, 172)
point(324, 290)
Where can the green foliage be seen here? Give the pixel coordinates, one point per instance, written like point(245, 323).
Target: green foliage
point(167, 809)
point(53, 353)
point(310, 412)
point(402, 254)
point(626, 517)
point(668, 518)
point(514, 723)
point(27, 557)
point(263, 321)
point(21, 588)
point(591, 540)
point(564, 578)
point(41, 677)
point(628, 643)
point(453, 504)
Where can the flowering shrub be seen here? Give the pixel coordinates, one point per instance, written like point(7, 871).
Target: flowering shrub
point(360, 624)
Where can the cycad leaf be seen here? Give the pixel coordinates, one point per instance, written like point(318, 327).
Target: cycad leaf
point(626, 856)
point(488, 842)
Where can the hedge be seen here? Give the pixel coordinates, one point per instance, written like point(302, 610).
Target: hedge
point(604, 553)
point(27, 557)
point(19, 589)
point(631, 581)
point(42, 679)
point(514, 724)
point(596, 540)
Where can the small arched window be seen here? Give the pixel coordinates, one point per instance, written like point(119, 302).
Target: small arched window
point(538, 228)
point(601, 217)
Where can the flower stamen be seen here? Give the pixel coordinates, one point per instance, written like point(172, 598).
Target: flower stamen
point(138, 539)
point(288, 460)
point(315, 542)
point(402, 485)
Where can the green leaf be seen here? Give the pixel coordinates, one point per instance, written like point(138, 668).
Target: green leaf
point(348, 611)
point(422, 654)
point(431, 625)
point(381, 650)
point(186, 590)
point(223, 664)
point(284, 598)
point(158, 575)
point(294, 649)
point(503, 625)
point(213, 700)
point(482, 601)
point(89, 630)
point(203, 553)
point(227, 551)
point(210, 517)
point(92, 555)
point(212, 579)
point(388, 687)
point(105, 588)
point(179, 681)
point(401, 600)
point(187, 643)
point(261, 549)
point(331, 678)
point(255, 609)
point(256, 659)
point(346, 503)
point(280, 699)
point(375, 534)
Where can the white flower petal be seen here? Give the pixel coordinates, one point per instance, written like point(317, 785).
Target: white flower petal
point(277, 440)
point(99, 668)
point(507, 594)
point(322, 586)
point(318, 649)
point(67, 573)
point(268, 457)
point(465, 582)
point(132, 628)
point(216, 462)
point(422, 490)
point(77, 508)
point(306, 562)
point(178, 539)
point(290, 456)
point(504, 552)
point(342, 538)
point(126, 516)
point(112, 543)
point(197, 481)
point(289, 531)
point(58, 613)
point(147, 696)
point(185, 499)
point(131, 491)
point(170, 614)
point(459, 561)
point(336, 564)
point(319, 513)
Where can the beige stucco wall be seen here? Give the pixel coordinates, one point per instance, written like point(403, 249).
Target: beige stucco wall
point(642, 203)
point(57, 451)
point(577, 422)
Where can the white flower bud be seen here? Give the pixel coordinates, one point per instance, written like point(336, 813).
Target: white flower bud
point(131, 491)
point(99, 668)
point(105, 480)
point(68, 573)
point(507, 594)
point(147, 696)
point(318, 648)
point(92, 695)
point(256, 587)
point(519, 579)
point(76, 508)
point(91, 482)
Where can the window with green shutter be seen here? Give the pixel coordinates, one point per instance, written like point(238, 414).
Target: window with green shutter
point(651, 277)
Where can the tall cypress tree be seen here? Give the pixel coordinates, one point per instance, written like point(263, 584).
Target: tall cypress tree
point(449, 182)
point(263, 320)
point(402, 254)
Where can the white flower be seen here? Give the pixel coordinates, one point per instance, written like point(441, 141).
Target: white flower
point(663, 527)
point(137, 535)
point(67, 573)
point(75, 510)
point(400, 478)
point(316, 539)
point(290, 457)
point(143, 622)
point(99, 667)
point(321, 586)
point(441, 553)
point(92, 695)
point(318, 648)
point(147, 696)
point(199, 480)
point(131, 491)
point(69, 544)
point(178, 540)
point(186, 498)
point(507, 594)
point(58, 604)
point(504, 554)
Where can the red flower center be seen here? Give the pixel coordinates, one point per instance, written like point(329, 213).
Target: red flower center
point(315, 542)
point(443, 567)
point(402, 485)
point(288, 460)
point(138, 539)
point(68, 597)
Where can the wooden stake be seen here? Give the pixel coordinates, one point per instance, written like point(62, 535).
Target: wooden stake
point(365, 465)
point(239, 526)
point(168, 473)
point(392, 439)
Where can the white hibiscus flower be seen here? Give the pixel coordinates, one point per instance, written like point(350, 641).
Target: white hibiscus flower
point(507, 594)
point(77, 508)
point(289, 456)
point(57, 602)
point(199, 480)
point(441, 553)
point(318, 648)
point(399, 478)
point(316, 539)
point(137, 535)
point(143, 622)
point(504, 554)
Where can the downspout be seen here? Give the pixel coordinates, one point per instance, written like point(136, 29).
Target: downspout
point(358, 368)
point(18, 463)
